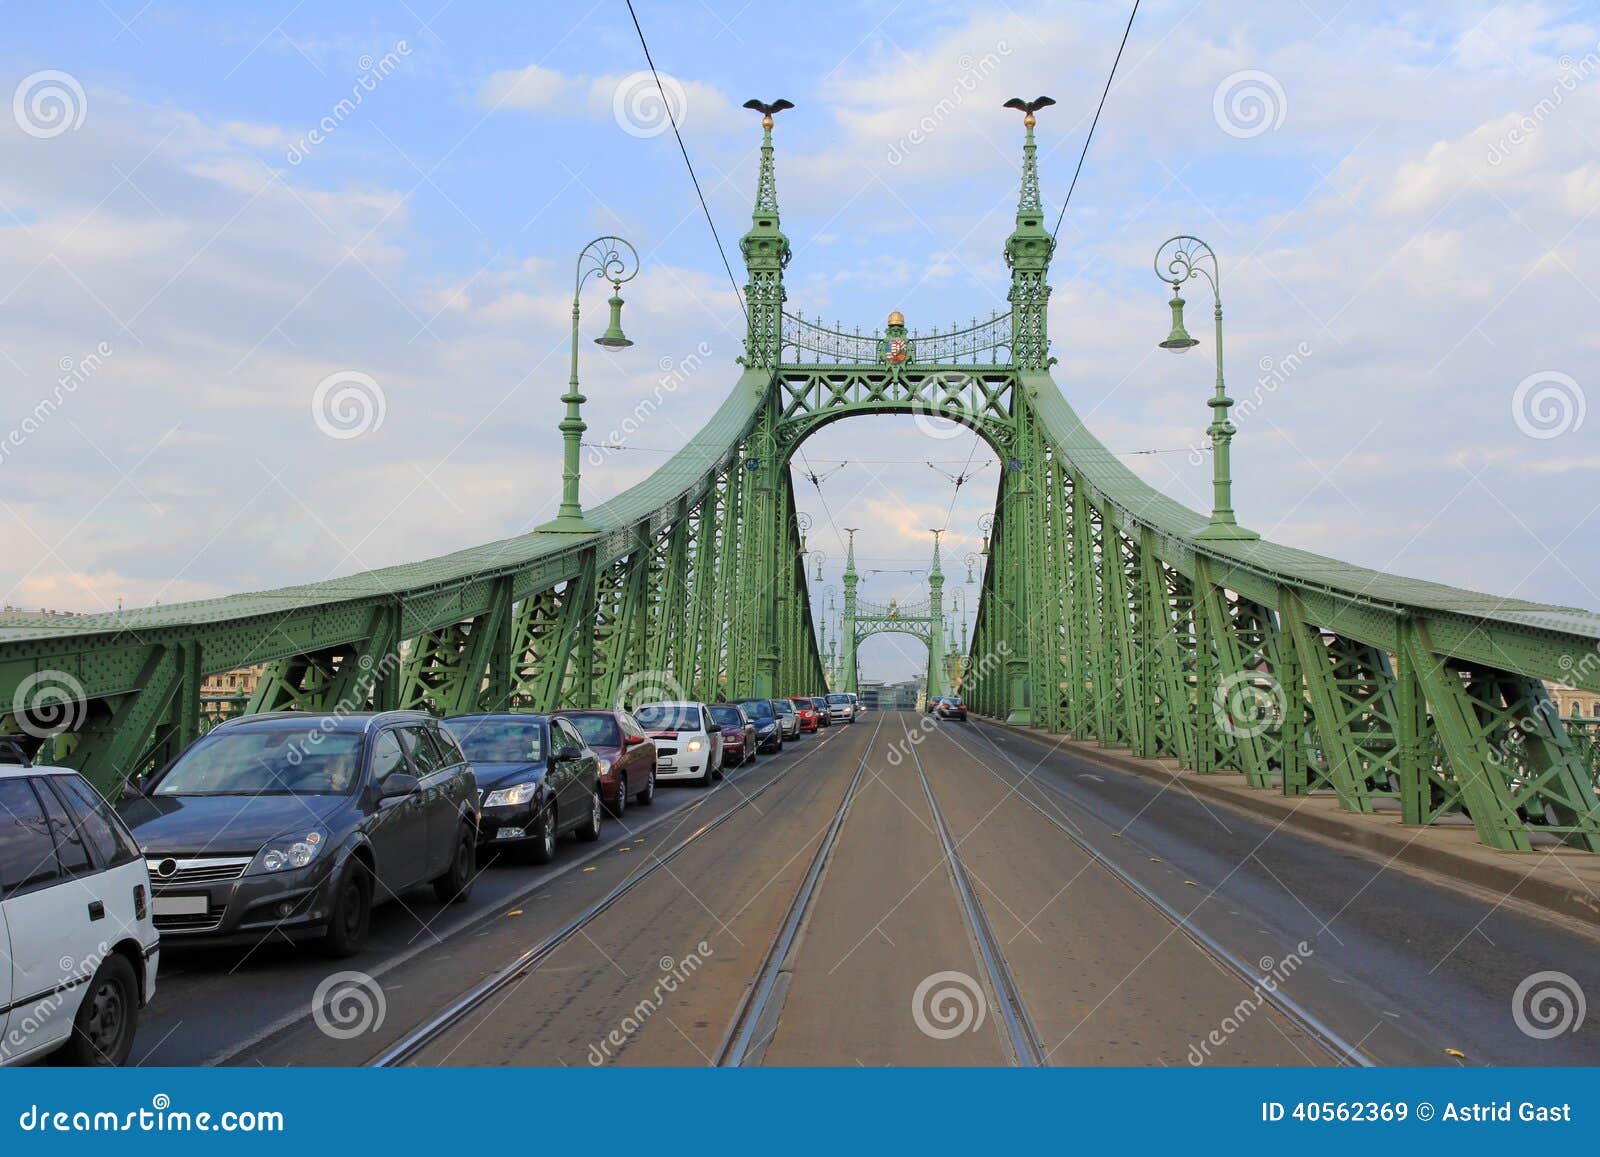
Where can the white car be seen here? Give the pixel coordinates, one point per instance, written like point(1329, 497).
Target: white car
point(840, 708)
point(78, 944)
point(688, 741)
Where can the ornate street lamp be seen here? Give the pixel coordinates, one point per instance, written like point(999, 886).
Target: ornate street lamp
point(616, 261)
point(1179, 259)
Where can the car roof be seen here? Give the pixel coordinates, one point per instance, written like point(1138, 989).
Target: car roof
point(517, 716)
point(16, 770)
point(362, 721)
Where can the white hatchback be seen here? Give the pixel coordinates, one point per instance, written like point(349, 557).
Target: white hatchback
point(688, 741)
point(78, 946)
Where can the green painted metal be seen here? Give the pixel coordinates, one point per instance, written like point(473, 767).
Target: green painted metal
point(1108, 611)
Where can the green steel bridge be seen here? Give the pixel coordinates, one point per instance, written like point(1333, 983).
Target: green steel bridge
point(1108, 611)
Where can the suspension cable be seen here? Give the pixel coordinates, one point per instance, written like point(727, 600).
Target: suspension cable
point(1103, 94)
point(698, 192)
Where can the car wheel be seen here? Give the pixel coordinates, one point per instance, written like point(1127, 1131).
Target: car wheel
point(622, 797)
point(456, 884)
point(542, 848)
point(648, 796)
point(352, 911)
point(590, 831)
point(102, 1032)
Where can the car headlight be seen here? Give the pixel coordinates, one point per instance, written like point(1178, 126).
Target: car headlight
point(289, 852)
point(605, 766)
point(511, 796)
point(695, 745)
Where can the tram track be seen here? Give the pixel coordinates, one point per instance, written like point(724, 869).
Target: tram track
point(459, 1010)
point(1022, 1035)
point(1332, 1042)
point(756, 1018)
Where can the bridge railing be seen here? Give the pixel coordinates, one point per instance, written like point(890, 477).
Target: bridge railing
point(977, 343)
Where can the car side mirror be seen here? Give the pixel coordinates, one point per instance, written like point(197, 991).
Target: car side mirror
point(568, 752)
point(399, 785)
point(634, 740)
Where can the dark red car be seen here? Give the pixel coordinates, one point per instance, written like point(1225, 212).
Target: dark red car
point(738, 732)
point(807, 711)
point(627, 756)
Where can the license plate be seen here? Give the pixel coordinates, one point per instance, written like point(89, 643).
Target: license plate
point(664, 762)
point(509, 834)
point(180, 905)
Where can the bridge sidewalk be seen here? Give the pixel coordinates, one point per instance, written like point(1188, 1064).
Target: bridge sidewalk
point(1552, 880)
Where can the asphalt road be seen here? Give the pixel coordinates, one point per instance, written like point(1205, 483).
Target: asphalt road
point(1088, 916)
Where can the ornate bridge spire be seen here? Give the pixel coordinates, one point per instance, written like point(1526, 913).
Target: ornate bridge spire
point(847, 629)
point(1028, 253)
point(936, 672)
point(766, 252)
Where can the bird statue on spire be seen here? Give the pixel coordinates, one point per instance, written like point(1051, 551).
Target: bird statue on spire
point(766, 110)
point(1029, 107)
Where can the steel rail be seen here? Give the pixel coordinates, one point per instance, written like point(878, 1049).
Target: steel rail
point(1026, 1047)
point(1303, 1018)
point(413, 1042)
point(739, 1042)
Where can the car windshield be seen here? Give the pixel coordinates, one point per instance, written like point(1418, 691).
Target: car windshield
point(727, 716)
point(267, 761)
point(838, 699)
point(784, 707)
point(597, 729)
point(669, 717)
point(499, 740)
point(757, 708)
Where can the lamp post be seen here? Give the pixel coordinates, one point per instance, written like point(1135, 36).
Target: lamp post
point(616, 261)
point(1179, 259)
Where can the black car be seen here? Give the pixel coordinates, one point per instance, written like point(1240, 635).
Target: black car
point(952, 707)
point(295, 824)
point(769, 731)
point(537, 779)
point(820, 702)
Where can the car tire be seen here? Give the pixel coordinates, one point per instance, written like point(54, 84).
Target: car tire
point(590, 831)
point(542, 848)
point(455, 886)
point(617, 809)
point(108, 1018)
point(352, 911)
point(647, 794)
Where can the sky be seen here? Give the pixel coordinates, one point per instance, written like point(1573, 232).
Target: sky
point(285, 288)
